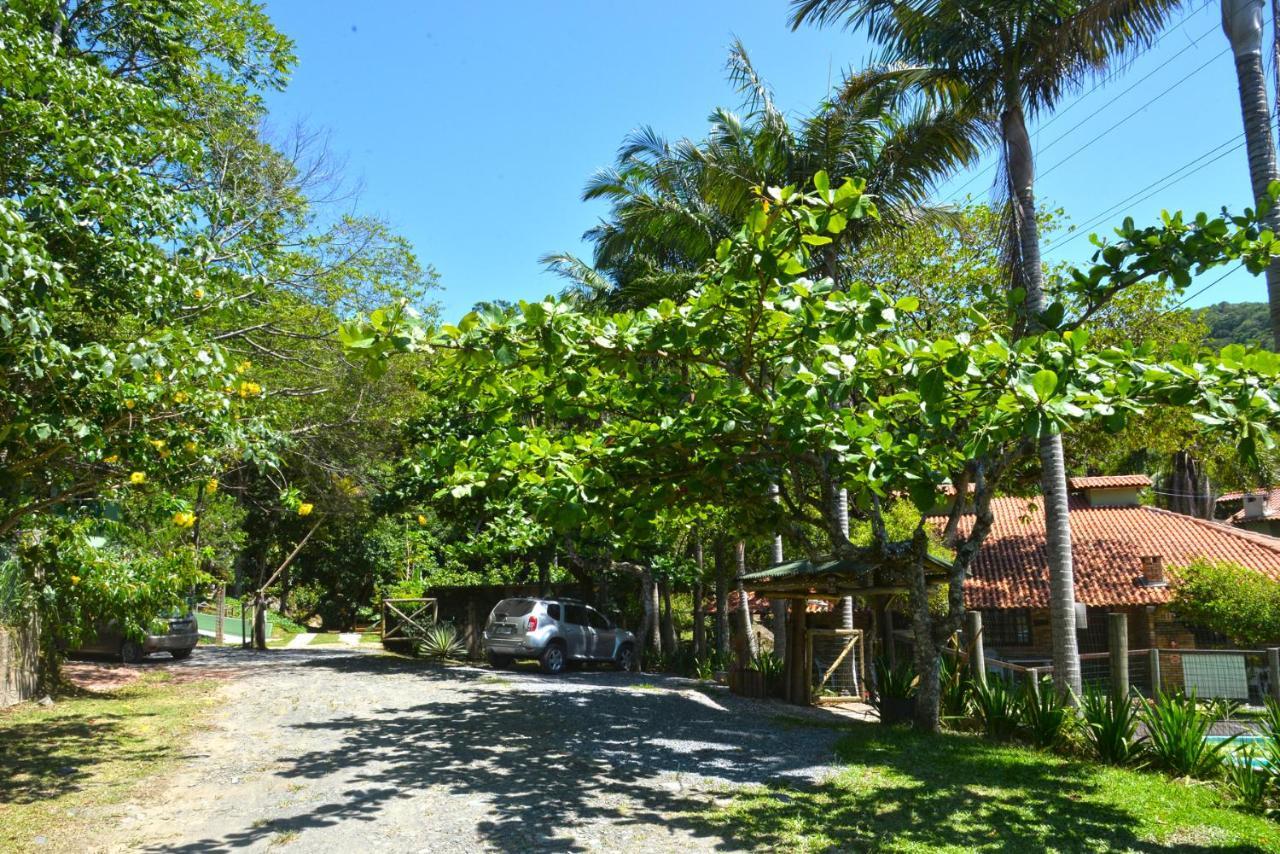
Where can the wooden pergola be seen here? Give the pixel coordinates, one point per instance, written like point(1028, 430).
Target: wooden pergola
point(867, 575)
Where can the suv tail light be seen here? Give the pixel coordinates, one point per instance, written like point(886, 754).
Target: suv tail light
point(533, 623)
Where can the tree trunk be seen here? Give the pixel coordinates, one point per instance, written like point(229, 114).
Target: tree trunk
point(649, 632)
point(722, 604)
point(779, 606)
point(1242, 22)
point(748, 630)
point(668, 622)
point(260, 622)
point(1053, 471)
point(699, 618)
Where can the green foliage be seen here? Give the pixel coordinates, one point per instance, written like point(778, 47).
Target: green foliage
point(1177, 729)
point(1110, 726)
point(956, 698)
point(1248, 784)
point(1225, 597)
point(1047, 716)
point(894, 681)
point(15, 590)
point(439, 641)
point(770, 668)
point(1247, 323)
point(998, 706)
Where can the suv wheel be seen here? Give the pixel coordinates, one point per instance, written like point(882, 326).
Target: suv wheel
point(553, 659)
point(499, 662)
point(130, 652)
point(626, 660)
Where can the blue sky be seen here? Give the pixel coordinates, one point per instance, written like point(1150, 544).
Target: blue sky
point(472, 127)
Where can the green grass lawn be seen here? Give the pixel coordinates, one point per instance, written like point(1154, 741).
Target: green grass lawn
point(902, 791)
point(62, 762)
point(325, 637)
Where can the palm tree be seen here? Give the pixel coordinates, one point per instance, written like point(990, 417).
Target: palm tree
point(671, 203)
point(1242, 22)
point(1003, 60)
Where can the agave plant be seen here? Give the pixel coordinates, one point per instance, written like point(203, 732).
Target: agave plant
point(1178, 737)
point(439, 641)
point(1046, 714)
point(1110, 726)
point(895, 694)
point(955, 700)
point(999, 708)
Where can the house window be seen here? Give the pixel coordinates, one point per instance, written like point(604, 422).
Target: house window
point(1007, 627)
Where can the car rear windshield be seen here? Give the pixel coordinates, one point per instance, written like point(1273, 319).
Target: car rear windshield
point(513, 607)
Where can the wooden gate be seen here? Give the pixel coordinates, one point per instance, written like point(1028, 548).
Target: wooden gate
point(836, 665)
point(401, 617)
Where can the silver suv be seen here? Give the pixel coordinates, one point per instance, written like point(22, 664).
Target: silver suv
point(555, 632)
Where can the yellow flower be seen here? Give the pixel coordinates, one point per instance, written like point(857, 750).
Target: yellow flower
point(181, 397)
point(114, 458)
point(183, 519)
point(138, 477)
point(75, 579)
point(189, 447)
point(128, 404)
point(159, 377)
point(305, 509)
point(249, 389)
point(244, 366)
point(158, 444)
point(211, 486)
point(199, 293)
point(422, 520)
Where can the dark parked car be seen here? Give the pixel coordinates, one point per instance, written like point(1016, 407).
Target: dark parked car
point(179, 641)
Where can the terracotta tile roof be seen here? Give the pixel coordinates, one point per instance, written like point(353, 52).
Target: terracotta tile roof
point(760, 604)
point(1118, 481)
point(1010, 571)
point(1270, 510)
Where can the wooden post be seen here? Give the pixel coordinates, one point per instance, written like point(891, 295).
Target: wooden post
point(1118, 644)
point(221, 600)
point(890, 645)
point(977, 654)
point(1033, 680)
point(1153, 664)
point(1273, 671)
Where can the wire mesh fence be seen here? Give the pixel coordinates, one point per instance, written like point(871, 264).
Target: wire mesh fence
point(837, 669)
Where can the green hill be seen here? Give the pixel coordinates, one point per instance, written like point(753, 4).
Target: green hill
point(1237, 323)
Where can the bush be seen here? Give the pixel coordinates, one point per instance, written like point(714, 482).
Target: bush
point(895, 694)
point(770, 667)
point(1047, 716)
point(1228, 598)
point(957, 686)
point(1177, 737)
point(999, 708)
point(1110, 726)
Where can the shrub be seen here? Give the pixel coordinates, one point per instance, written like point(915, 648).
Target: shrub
point(1110, 726)
point(770, 667)
point(999, 708)
point(1228, 598)
point(439, 641)
point(1046, 714)
point(1177, 737)
point(895, 694)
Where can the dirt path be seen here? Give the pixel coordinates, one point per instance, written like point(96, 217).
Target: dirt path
point(335, 750)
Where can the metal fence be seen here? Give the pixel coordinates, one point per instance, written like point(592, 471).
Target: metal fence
point(837, 664)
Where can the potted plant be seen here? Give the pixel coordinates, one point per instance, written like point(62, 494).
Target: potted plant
point(894, 697)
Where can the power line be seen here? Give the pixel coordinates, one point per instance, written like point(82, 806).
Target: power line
point(1157, 186)
point(1199, 292)
point(1200, 68)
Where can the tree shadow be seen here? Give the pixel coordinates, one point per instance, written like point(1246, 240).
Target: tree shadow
point(547, 756)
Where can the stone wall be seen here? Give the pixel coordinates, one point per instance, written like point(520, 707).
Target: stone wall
point(19, 650)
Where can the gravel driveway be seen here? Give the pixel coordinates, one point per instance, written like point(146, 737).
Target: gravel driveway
point(334, 750)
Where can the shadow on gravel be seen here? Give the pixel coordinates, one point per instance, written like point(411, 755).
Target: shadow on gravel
point(539, 752)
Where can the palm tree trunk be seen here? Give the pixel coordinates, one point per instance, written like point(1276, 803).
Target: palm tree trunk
point(748, 631)
point(722, 604)
point(669, 639)
point(779, 605)
point(1242, 22)
point(1053, 471)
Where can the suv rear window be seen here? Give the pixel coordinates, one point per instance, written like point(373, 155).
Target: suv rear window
point(513, 607)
